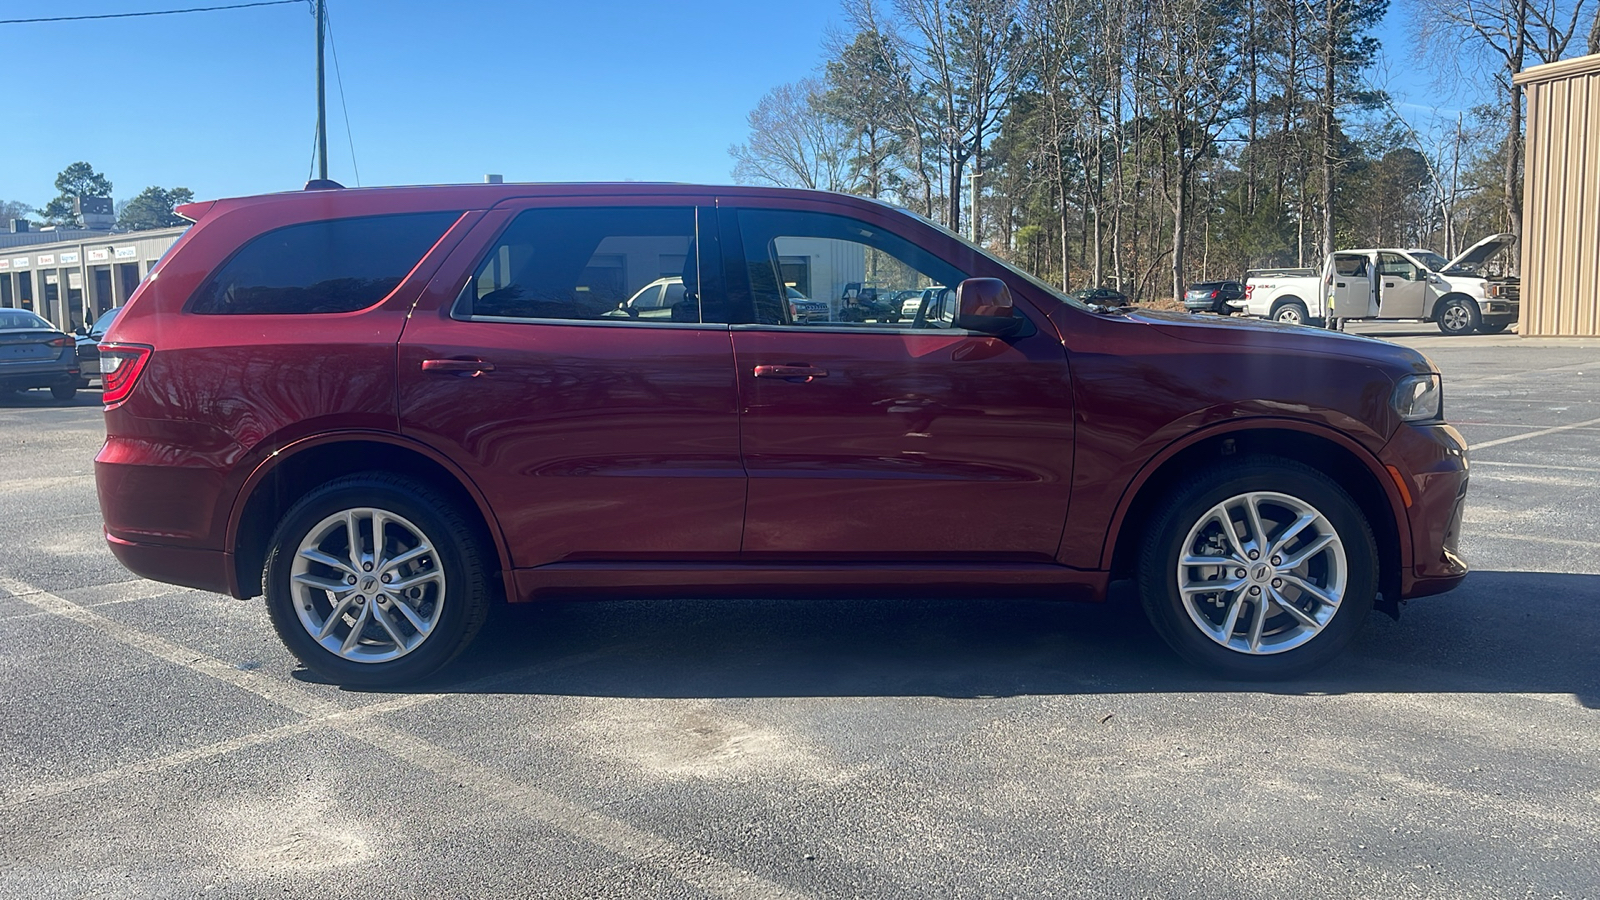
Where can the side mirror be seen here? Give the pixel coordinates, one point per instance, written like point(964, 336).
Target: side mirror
point(984, 304)
point(81, 331)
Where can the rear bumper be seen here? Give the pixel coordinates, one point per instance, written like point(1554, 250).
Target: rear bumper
point(54, 376)
point(207, 570)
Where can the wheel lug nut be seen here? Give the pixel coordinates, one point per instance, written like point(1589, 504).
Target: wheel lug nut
point(361, 601)
point(1255, 590)
point(1277, 582)
point(1255, 554)
point(366, 567)
point(1238, 573)
point(387, 578)
point(1277, 560)
point(349, 579)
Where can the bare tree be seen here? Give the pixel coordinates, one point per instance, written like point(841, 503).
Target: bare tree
point(965, 55)
point(1504, 37)
point(1194, 83)
point(794, 142)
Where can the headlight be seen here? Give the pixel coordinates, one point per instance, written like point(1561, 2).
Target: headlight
point(1418, 398)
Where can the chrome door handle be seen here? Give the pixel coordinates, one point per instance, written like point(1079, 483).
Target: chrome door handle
point(799, 373)
point(472, 368)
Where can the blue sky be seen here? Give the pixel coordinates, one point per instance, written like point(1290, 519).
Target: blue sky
point(223, 102)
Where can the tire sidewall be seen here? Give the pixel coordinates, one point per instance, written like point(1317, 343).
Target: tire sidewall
point(464, 594)
point(1164, 604)
point(1472, 317)
point(1299, 310)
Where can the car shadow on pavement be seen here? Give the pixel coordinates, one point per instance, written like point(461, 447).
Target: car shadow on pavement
point(1501, 632)
point(39, 399)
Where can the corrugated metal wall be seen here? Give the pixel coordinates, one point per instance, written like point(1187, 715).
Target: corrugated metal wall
point(1561, 200)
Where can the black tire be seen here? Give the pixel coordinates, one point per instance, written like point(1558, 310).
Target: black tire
point(1458, 316)
point(1492, 327)
point(1291, 312)
point(1187, 512)
point(464, 596)
point(65, 392)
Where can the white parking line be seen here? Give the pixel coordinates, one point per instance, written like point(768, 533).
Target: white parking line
point(1522, 465)
point(1532, 434)
point(682, 863)
point(1532, 539)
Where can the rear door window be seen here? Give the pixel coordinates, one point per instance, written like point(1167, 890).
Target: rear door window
point(332, 266)
point(593, 264)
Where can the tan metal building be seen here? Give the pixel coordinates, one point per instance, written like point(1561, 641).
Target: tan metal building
point(1561, 200)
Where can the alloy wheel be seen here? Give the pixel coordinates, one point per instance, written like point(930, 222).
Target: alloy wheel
point(1262, 573)
point(367, 585)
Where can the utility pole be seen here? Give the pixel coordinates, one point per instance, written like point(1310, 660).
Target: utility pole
point(976, 174)
point(322, 98)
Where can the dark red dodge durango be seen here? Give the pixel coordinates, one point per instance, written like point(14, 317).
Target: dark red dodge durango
point(388, 409)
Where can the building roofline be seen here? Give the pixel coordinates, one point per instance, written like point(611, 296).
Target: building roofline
point(1566, 68)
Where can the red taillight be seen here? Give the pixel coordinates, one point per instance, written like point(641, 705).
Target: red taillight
point(120, 365)
point(61, 342)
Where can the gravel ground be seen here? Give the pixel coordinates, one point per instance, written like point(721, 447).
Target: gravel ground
point(160, 743)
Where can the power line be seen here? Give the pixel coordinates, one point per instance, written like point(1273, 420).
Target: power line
point(157, 12)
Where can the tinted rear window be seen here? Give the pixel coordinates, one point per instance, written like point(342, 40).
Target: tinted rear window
point(338, 265)
point(16, 318)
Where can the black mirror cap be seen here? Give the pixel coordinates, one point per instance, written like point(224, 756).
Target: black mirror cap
point(984, 304)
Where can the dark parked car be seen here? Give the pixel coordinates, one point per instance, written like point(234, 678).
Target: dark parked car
point(88, 341)
point(1100, 296)
point(1213, 296)
point(388, 409)
point(33, 354)
point(804, 309)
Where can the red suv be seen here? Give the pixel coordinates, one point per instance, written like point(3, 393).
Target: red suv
point(388, 409)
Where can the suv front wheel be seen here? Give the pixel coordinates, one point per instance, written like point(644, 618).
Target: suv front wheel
point(1263, 569)
point(375, 580)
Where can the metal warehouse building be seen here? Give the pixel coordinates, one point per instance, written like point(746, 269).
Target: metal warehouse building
point(71, 276)
point(1561, 200)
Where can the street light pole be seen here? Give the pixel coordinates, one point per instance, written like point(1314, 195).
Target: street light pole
point(322, 99)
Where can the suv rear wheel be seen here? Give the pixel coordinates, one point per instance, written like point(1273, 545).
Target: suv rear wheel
point(375, 580)
point(1264, 569)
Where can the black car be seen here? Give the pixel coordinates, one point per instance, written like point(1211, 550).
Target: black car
point(1213, 296)
point(33, 354)
point(1101, 296)
point(89, 345)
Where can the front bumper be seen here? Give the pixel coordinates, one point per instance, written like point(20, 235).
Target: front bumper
point(1495, 311)
point(1430, 463)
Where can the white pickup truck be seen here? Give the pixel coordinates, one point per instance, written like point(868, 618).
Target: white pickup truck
point(1391, 284)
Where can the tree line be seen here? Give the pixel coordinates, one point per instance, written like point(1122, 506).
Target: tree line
point(150, 208)
point(1146, 144)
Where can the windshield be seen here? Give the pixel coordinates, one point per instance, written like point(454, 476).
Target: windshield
point(1049, 289)
point(1430, 260)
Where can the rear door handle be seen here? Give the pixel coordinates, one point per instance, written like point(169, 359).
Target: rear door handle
point(799, 372)
point(472, 368)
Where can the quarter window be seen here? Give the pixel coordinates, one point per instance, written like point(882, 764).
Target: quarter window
point(333, 266)
point(592, 265)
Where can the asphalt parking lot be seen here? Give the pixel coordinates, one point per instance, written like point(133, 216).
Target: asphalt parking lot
point(158, 742)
